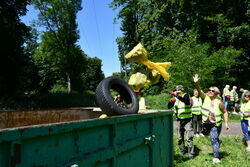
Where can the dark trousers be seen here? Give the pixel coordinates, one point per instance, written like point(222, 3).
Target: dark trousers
point(244, 128)
point(214, 133)
point(185, 128)
point(197, 123)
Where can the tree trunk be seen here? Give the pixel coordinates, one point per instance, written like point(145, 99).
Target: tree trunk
point(68, 83)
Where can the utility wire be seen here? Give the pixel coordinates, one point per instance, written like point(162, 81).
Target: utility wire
point(87, 44)
point(97, 27)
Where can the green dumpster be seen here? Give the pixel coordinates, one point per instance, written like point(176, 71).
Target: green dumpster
point(78, 138)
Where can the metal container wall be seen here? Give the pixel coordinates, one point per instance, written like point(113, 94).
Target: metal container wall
point(141, 140)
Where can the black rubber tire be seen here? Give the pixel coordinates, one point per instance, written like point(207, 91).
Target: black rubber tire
point(106, 102)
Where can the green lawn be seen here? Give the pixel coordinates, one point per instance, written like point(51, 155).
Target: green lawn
point(232, 153)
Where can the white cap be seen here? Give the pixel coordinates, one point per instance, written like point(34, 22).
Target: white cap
point(227, 86)
point(234, 87)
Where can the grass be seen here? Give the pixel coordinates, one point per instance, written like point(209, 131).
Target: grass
point(232, 153)
point(233, 117)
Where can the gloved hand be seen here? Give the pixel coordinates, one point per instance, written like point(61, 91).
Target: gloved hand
point(172, 99)
point(173, 93)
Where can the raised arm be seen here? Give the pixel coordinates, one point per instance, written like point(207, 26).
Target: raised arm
point(197, 86)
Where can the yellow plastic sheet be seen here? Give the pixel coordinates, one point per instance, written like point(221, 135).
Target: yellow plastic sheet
point(138, 80)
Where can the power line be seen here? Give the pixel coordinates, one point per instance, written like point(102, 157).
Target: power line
point(87, 44)
point(82, 32)
point(97, 26)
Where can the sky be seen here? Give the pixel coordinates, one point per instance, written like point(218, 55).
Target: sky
point(97, 32)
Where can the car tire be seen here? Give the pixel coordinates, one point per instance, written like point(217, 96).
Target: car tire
point(106, 101)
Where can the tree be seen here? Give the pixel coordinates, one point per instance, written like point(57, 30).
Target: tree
point(13, 60)
point(93, 75)
point(178, 30)
point(59, 41)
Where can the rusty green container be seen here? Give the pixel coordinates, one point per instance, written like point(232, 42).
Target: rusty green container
point(78, 138)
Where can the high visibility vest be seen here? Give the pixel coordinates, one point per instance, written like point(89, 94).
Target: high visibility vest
point(245, 108)
point(196, 107)
point(234, 96)
point(206, 108)
point(142, 103)
point(183, 111)
point(227, 92)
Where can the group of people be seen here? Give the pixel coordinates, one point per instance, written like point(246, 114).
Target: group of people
point(231, 99)
point(203, 114)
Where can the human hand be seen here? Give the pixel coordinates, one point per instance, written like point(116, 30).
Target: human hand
point(196, 78)
point(227, 127)
point(172, 99)
point(173, 93)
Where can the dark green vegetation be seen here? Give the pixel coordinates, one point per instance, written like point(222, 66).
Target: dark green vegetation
point(232, 153)
point(210, 38)
point(50, 100)
point(33, 70)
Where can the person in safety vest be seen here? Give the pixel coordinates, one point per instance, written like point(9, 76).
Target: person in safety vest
point(181, 103)
point(196, 112)
point(226, 96)
point(242, 91)
point(245, 118)
point(212, 110)
point(234, 98)
point(143, 105)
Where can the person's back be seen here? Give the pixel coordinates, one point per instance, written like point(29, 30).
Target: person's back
point(226, 96)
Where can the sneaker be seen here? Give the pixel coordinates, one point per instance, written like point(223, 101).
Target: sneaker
point(248, 149)
point(197, 135)
point(216, 160)
point(201, 134)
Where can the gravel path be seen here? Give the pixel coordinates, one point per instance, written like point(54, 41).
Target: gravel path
point(235, 129)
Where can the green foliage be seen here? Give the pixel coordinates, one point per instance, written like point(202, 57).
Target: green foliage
point(208, 38)
point(189, 57)
point(56, 98)
point(58, 56)
point(14, 62)
point(232, 153)
point(58, 88)
point(64, 100)
point(93, 74)
point(158, 101)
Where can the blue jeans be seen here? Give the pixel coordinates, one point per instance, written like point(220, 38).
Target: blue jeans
point(214, 132)
point(244, 128)
point(226, 101)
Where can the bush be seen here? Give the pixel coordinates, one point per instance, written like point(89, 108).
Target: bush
point(158, 101)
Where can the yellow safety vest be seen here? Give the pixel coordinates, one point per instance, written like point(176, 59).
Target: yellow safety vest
point(142, 103)
point(196, 107)
point(183, 111)
point(232, 97)
point(245, 108)
point(227, 92)
point(206, 108)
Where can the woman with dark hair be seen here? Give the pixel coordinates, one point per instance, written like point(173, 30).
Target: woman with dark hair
point(196, 112)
